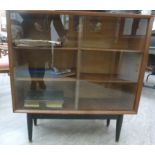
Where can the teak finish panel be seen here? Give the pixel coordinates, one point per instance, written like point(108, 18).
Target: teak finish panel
point(108, 63)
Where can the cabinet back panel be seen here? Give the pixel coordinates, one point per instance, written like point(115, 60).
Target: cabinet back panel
point(98, 62)
point(106, 96)
point(114, 33)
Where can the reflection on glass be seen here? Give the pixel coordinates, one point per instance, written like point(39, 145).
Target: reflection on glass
point(106, 96)
point(57, 96)
point(135, 26)
point(113, 33)
point(41, 34)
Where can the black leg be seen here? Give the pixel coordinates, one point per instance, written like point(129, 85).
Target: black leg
point(31, 118)
point(35, 121)
point(29, 126)
point(108, 122)
point(118, 126)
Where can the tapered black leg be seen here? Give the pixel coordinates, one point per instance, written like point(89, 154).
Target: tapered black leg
point(35, 121)
point(118, 127)
point(29, 126)
point(108, 122)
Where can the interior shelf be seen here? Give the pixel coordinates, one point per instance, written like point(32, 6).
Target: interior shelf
point(91, 77)
point(46, 48)
point(72, 78)
point(99, 78)
point(83, 49)
point(110, 50)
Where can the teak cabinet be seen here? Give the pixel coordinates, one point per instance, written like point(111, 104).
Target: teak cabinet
point(76, 64)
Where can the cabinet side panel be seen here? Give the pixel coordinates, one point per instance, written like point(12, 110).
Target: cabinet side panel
point(143, 64)
point(10, 50)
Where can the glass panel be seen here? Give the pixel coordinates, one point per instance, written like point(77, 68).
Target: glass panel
point(70, 62)
point(39, 63)
point(113, 33)
point(44, 46)
point(43, 30)
point(56, 96)
point(106, 96)
point(110, 66)
point(45, 56)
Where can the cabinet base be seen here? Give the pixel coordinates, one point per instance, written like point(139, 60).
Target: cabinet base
point(33, 118)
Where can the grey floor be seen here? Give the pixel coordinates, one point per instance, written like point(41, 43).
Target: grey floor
point(136, 129)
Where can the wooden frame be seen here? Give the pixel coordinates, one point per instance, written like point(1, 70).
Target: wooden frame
point(115, 54)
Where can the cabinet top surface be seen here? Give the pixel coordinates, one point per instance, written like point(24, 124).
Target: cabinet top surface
point(85, 12)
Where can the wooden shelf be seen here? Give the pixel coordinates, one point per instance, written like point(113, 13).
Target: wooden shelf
point(82, 49)
point(94, 77)
point(46, 48)
point(71, 78)
point(28, 48)
point(110, 50)
point(23, 74)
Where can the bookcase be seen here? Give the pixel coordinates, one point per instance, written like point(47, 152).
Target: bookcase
point(77, 64)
